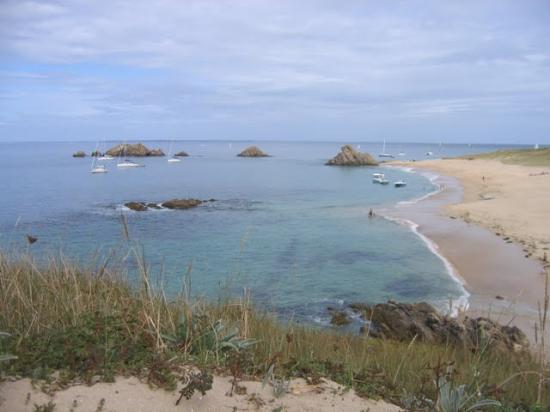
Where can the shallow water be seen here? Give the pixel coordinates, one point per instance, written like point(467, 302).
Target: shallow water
point(296, 232)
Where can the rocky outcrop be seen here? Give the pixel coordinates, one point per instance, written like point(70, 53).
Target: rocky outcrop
point(181, 203)
point(136, 206)
point(169, 204)
point(348, 156)
point(181, 154)
point(404, 322)
point(131, 150)
point(253, 151)
point(96, 153)
point(80, 153)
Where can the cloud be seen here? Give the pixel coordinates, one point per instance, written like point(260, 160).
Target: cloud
point(214, 63)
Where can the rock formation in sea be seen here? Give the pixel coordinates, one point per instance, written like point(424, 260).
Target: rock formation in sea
point(404, 322)
point(96, 153)
point(253, 151)
point(80, 153)
point(138, 150)
point(348, 156)
point(181, 154)
point(169, 204)
point(181, 203)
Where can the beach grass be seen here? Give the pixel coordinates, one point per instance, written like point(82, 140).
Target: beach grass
point(526, 157)
point(90, 324)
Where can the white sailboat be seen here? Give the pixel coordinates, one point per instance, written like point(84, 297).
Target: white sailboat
point(384, 154)
point(126, 163)
point(97, 168)
point(171, 157)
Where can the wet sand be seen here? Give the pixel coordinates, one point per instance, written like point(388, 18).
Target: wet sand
point(503, 284)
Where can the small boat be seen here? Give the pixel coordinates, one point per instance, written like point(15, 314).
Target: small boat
point(384, 154)
point(380, 180)
point(105, 157)
point(400, 183)
point(99, 169)
point(429, 153)
point(129, 163)
point(172, 158)
point(379, 175)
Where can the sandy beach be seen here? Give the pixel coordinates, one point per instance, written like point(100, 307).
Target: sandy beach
point(131, 395)
point(491, 221)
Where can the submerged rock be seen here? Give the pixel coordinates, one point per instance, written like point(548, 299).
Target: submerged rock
point(181, 154)
point(169, 204)
point(404, 322)
point(131, 150)
point(181, 203)
point(348, 156)
point(253, 151)
point(80, 153)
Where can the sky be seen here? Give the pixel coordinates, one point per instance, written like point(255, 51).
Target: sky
point(340, 70)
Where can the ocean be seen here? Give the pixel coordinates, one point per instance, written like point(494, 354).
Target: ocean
point(294, 232)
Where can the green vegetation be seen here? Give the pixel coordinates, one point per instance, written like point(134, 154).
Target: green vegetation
point(526, 157)
point(90, 325)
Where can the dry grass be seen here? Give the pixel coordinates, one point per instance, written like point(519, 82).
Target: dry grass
point(526, 157)
point(91, 322)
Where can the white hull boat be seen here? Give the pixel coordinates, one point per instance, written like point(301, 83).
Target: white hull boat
point(105, 157)
point(174, 160)
point(400, 183)
point(129, 164)
point(98, 169)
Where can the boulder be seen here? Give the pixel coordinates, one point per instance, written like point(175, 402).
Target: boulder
point(348, 156)
point(403, 322)
point(252, 151)
point(339, 318)
point(181, 203)
point(136, 206)
point(96, 153)
point(181, 154)
point(131, 150)
point(80, 153)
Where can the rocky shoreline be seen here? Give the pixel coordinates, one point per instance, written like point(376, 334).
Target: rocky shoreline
point(406, 322)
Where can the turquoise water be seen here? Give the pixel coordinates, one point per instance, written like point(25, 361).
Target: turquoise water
point(292, 230)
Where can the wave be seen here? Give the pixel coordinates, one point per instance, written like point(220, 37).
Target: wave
point(460, 304)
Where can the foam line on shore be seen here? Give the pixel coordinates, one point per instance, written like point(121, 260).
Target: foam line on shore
point(463, 301)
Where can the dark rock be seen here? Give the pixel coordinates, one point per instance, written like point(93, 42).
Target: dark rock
point(348, 156)
point(138, 150)
point(136, 206)
point(339, 318)
point(96, 153)
point(31, 239)
point(498, 297)
point(252, 151)
point(80, 153)
point(181, 154)
point(181, 203)
point(404, 322)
